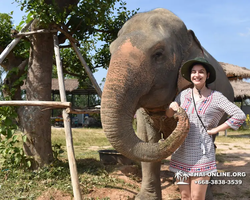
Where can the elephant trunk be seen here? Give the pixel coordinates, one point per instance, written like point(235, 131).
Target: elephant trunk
point(120, 97)
point(126, 142)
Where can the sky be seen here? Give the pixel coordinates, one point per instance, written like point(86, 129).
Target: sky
point(222, 26)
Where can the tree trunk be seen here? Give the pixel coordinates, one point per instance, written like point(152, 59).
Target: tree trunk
point(36, 123)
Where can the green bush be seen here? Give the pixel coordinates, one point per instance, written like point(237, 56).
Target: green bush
point(12, 154)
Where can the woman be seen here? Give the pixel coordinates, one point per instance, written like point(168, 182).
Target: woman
point(205, 108)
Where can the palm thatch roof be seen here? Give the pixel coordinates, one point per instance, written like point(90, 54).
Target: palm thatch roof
point(241, 89)
point(235, 72)
point(70, 84)
point(71, 87)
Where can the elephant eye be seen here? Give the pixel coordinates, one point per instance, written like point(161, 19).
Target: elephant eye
point(159, 56)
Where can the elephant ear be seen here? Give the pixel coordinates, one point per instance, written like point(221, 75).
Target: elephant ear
point(191, 32)
point(182, 83)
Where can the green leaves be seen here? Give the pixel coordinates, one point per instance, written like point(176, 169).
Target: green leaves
point(46, 11)
point(10, 150)
point(94, 23)
point(5, 29)
point(57, 150)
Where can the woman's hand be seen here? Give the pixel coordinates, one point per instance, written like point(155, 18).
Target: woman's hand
point(212, 131)
point(173, 107)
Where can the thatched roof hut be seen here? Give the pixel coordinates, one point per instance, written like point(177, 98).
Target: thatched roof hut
point(235, 72)
point(235, 75)
point(241, 90)
point(70, 84)
point(71, 87)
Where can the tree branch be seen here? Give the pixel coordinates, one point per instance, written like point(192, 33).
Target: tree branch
point(68, 35)
point(22, 66)
point(71, 73)
point(10, 61)
point(102, 31)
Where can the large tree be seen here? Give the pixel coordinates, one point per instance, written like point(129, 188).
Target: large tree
point(87, 23)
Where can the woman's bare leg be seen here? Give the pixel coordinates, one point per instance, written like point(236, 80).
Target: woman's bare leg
point(198, 189)
point(185, 189)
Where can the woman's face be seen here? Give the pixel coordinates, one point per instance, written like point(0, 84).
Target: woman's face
point(199, 75)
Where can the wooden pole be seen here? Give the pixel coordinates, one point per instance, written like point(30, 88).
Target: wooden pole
point(67, 126)
point(35, 32)
point(82, 111)
point(53, 104)
point(86, 67)
point(14, 42)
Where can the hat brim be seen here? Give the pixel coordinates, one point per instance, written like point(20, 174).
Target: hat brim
point(187, 66)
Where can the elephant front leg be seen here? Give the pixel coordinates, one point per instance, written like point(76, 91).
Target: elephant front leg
point(151, 184)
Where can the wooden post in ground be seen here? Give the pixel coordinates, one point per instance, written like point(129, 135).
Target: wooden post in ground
point(67, 125)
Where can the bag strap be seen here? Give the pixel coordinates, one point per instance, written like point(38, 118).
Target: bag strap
point(197, 112)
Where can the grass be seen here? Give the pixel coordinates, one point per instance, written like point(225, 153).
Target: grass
point(241, 137)
point(83, 139)
point(19, 184)
point(232, 136)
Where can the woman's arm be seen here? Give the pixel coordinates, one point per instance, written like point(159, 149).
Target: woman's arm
point(217, 129)
point(237, 116)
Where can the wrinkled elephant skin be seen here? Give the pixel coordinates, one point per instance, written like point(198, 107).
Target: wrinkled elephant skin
point(143, 78)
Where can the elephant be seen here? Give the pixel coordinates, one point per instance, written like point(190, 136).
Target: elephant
point(144, 78)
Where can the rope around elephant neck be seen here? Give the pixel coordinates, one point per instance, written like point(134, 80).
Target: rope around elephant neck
point(149, 121)
point(163, 118)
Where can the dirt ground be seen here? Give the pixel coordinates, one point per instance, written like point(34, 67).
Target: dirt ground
point(233, 157)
